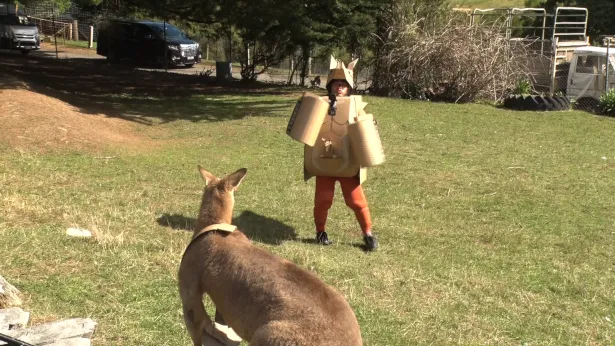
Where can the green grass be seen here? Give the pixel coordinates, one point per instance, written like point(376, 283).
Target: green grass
point(75, 44)
point(495, 227)
point(488, 3)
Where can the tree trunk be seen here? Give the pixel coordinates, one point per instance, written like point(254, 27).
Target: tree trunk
point(292, 69)
point(305, 62)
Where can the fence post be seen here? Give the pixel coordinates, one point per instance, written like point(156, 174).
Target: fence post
point(75, 31)
point(91, 43)
point(608, 62)
point(53, 25)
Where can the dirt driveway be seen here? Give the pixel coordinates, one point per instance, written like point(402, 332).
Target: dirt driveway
point(66, 52)
point(80, 101)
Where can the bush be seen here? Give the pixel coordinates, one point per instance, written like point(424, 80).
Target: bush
point(523, 87)
point(607, 103)
point(442, 58)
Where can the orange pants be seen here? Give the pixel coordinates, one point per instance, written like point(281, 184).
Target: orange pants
point(353, 196)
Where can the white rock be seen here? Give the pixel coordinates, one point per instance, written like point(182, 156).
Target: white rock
point(76, 232)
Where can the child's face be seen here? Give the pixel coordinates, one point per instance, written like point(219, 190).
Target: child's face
point(339, 88)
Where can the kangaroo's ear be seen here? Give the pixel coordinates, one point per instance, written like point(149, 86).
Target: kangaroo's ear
point(208, 177)
point(353, 64)
point(233, 180)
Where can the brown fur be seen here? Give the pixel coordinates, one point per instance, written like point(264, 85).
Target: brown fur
point(266, 299)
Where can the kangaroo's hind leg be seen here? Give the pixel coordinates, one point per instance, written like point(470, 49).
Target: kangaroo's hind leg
point(195, 316)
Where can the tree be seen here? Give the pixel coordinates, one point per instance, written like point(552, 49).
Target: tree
point(61, 5)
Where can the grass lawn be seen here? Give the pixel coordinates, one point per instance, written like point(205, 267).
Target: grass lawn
point(489, 3)
point(75, 44)
point(495, 227)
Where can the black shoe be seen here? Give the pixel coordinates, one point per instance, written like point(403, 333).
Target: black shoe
point(371, 243)
point(322, 238)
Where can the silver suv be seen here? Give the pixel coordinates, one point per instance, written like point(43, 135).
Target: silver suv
point(18, 32)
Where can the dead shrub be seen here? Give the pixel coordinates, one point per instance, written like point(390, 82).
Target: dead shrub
point(447, 60)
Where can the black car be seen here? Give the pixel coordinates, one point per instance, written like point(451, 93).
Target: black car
point(146, 42)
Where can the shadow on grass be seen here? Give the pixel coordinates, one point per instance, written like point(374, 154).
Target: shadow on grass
point(264, 229)
point(257, 227)
point(312, 241)
point(177, 222)
point(121, 91)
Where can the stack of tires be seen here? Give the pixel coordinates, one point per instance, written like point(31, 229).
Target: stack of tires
point(537, 103)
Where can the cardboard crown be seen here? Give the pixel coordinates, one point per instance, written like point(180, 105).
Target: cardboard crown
point(337, 70)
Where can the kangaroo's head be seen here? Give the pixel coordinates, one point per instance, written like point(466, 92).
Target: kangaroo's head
point(218, 198)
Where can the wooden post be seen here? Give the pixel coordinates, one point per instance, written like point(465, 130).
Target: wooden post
point(607, 85)
point(53, 23)
point(75, 30)
point(91, 43)
point(70, 32)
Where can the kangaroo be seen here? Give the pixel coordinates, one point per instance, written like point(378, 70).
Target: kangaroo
point(265, 299)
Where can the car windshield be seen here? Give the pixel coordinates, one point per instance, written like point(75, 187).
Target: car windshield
point(171, 32)
point(18, 20)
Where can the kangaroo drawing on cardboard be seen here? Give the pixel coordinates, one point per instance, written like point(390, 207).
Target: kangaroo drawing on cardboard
point(265, 299)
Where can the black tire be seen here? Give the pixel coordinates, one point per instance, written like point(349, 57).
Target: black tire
point(510, 102)
point(536, 103)
point(514, 102)
point(188, 65)
point(542, 103)
point(562, 103)
point(530, 103)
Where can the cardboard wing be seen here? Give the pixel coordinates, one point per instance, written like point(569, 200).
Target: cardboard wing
point(307, 118)
point(365, 141)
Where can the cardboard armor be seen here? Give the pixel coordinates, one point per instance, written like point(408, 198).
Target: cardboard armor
point(340, 138)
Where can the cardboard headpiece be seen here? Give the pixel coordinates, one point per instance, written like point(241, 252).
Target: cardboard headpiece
point(337, 70)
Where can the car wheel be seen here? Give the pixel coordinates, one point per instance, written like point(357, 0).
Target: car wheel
point(188, 65)
point(111, 57)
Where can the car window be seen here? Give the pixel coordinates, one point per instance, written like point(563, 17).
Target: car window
point(11, 20)
point(172, 32)
point(122, 30)
point(589, 64)
point(23, 20)
point(141, 31)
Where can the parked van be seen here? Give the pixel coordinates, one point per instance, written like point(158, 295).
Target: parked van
point(588, 72)
point(17, 30)
point(145, 42)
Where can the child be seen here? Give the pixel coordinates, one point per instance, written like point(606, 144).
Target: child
point(339, 84)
